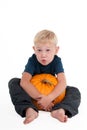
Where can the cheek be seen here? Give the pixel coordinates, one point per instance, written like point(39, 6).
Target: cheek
point(51, 56)
point(53, 53)
point(38, 56)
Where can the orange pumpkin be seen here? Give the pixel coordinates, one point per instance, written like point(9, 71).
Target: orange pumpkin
point(45, 84)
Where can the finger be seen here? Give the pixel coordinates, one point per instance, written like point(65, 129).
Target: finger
point(48, 109)
point(38, 98)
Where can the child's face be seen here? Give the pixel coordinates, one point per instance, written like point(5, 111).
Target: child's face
point(45, 52)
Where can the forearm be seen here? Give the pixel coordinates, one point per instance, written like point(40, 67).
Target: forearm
point(30, 89)
point(59, 88)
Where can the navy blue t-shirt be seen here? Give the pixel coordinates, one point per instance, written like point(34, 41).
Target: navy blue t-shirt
point(34, 67)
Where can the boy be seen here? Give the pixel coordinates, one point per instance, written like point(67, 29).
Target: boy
point(44, 60)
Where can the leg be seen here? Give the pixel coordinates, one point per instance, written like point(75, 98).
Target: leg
point(19, 97)
point(60, 115)
point(70, 104)
point(31, 114)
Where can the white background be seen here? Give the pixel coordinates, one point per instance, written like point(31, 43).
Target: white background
point(20, 20)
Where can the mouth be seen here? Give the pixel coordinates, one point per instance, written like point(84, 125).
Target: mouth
point(43, 61)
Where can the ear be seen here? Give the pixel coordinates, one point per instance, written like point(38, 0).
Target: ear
point(57, 49)
point(33, 48)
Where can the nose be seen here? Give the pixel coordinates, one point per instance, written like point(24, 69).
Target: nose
point(43, 54)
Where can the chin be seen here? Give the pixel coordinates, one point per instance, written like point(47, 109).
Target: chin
point(44, 63)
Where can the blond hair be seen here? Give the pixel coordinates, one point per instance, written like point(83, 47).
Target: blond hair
point(45, 36)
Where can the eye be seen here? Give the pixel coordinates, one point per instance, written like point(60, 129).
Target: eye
point(39, 50)
point(48, 50)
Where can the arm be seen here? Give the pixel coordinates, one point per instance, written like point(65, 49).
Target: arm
point(28, 87)
point(46, 101)
point(59, 87)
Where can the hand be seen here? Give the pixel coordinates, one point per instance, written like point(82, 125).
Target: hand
point(49, 107)
point(45, 102)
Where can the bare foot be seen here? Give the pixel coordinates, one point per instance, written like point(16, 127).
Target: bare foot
point(31, 114)
point(60, 115)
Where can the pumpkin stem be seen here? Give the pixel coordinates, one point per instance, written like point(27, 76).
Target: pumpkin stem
point(45, 81)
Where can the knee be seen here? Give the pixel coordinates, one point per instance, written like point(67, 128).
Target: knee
point(12, 82)
point(74, 90)
point(77, 91)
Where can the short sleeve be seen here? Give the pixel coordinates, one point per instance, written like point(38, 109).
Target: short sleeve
point(58, 65)
point(30, 66)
